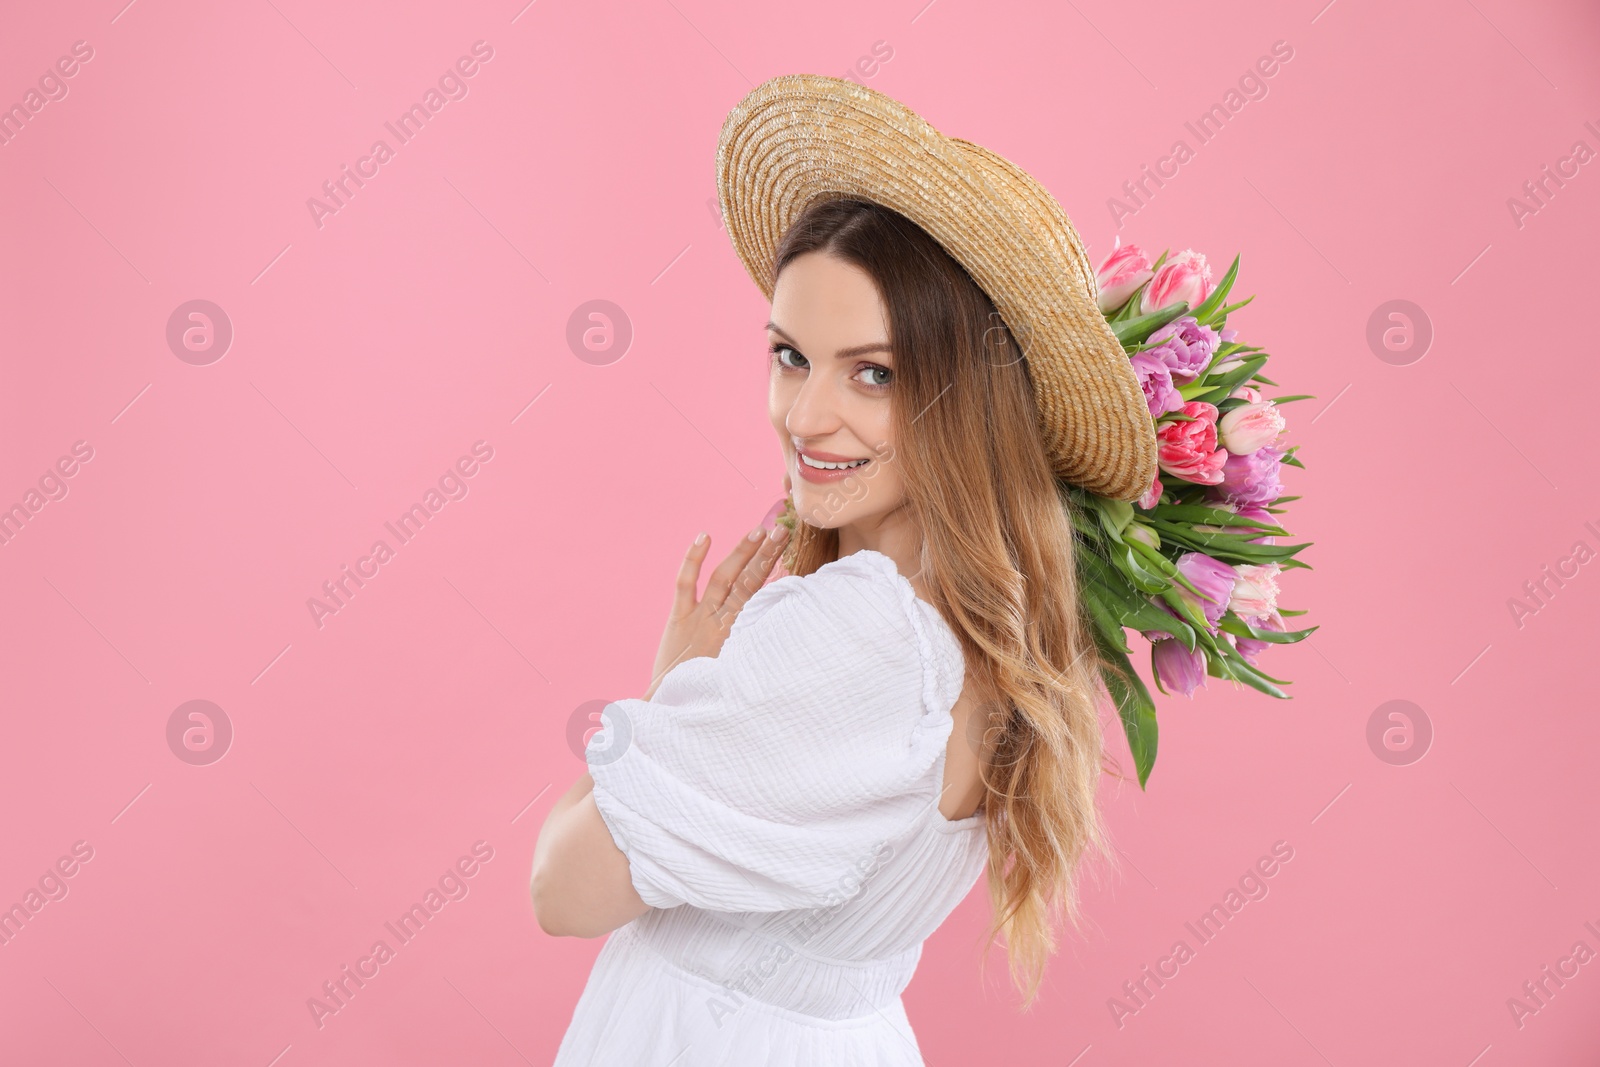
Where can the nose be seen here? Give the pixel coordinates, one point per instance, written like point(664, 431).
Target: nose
point(816, 409)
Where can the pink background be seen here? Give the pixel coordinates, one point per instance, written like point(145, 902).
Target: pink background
point(430, 312)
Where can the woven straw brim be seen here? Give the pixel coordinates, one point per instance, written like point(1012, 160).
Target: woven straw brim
point(798, 138)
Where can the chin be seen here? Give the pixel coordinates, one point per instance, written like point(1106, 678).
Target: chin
point(811, 507)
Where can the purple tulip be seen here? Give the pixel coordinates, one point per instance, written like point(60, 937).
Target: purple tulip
point(1256, 513)
point(1251, 479)
point(1185, 346)
point(1213, 578)
point(1249, 648)
point(1155, 378)
point(1178, 668)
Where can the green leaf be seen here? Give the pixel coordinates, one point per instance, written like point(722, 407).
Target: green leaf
point(1114, 515)
point(1235, 625)
point(1084, 523)
point(1234, 667)
point(1130, 608)
point(1143, 578)
point(1242, 671)
point(1187, 610)
point(1150, 617)
point(1221, 317)
point(1153, 557)
point(1145, 615)
point(1093, 569)
point(1208, 306)
point(1135, 708)
point(1219, 388)
point(1211, 517)
point(1236, 548)
point(1091, 564)
point(1104, 618)
point(1130, 306)
point(1138, 330)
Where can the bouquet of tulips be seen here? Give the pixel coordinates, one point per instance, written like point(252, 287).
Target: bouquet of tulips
point(1193, 565)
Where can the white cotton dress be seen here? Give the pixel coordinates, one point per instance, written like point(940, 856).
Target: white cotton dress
point(779, 808)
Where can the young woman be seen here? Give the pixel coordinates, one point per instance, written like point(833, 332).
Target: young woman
point(826, 763)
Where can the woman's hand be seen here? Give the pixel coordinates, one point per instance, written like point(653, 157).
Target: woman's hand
point(698, 628)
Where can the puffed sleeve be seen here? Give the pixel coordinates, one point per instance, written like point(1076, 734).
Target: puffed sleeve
point(761, 779)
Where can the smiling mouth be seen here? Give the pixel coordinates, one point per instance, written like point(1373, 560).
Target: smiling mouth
point(822, 465)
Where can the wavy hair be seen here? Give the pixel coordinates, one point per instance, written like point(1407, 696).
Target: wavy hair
point(997, 557)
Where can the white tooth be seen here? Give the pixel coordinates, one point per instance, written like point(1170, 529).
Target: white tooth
point(820, 465)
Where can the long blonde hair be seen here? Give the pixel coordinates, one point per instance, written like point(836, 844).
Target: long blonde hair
point(997, 558)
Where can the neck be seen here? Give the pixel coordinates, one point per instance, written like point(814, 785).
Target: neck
point(892, 534)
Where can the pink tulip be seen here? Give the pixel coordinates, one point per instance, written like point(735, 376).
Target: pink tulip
point(1186, 276)
point(1250, 426)
point(1124, 270)
point(1248, 647)
point(1176, 667)
point(1250, 479)
point(1188, 450)
point(1256, 514)
point(1155, 379)
point(1216, 581)
point(1256, 590)
point(1152, 495)
point(1213, 578)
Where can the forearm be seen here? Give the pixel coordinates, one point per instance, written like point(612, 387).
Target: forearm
point(581, 882)
point(550, 832)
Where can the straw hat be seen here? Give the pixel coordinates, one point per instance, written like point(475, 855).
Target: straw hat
point(804, 137)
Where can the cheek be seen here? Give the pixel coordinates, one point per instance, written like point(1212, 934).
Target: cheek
point(780, 398)
point(886, 448)
point(875, 427)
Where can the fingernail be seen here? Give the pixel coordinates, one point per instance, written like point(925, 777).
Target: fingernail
point(778, 532)
point(701, 539)
point(757, 533)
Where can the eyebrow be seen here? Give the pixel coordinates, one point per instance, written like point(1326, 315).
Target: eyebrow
point(843, 353)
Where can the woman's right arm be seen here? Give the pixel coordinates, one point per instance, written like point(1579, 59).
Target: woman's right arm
point(582, 885)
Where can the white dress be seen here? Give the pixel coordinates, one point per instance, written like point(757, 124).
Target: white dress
point(779, 807)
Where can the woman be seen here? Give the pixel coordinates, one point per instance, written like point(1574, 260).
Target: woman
point(824, 766)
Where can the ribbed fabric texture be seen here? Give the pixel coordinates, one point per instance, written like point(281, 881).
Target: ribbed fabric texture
point(778, 805)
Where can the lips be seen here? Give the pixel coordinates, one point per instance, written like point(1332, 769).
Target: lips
point(830, 458)
point(837, 466)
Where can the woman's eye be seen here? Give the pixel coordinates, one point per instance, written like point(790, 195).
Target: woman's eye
point(778, 350)
point(787, 356)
